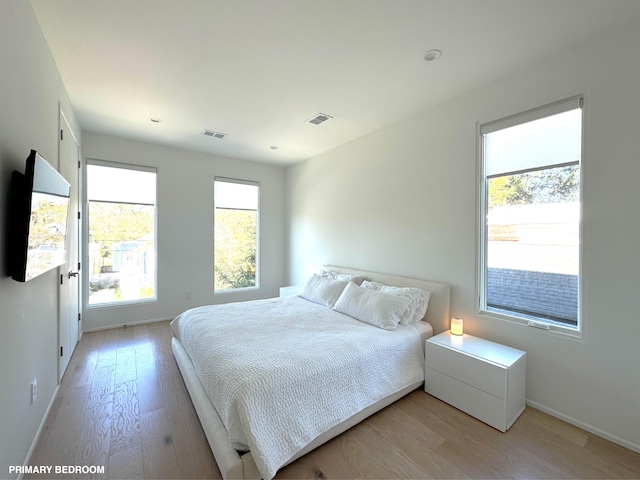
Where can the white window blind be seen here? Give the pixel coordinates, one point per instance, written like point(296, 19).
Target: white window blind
point(541, 138)
point(121, 185)
point(235, 194)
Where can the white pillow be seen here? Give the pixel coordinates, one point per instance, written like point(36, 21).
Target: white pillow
point(372, 307)
point(341, 276)
point(419, 299)
point(324, 291)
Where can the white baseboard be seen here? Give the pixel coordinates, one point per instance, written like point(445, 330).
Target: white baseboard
point(39, 431)
point(585, 426)
point(128, 324)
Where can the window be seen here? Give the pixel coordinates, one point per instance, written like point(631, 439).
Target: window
point(530, 217)
point(122, 233)
point(235, 234)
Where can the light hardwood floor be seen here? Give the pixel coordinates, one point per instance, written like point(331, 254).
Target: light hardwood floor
point(123, 405)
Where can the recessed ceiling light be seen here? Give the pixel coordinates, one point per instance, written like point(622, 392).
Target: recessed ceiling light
point(431, 55)
point(155, 119)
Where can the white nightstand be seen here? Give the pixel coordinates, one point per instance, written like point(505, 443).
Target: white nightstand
point(479, 377)
point(288, 291)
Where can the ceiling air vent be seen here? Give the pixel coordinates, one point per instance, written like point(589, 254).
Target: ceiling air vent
point(319, 118)
point(211, 133)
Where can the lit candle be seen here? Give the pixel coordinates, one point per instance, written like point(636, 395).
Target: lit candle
point(456, 326)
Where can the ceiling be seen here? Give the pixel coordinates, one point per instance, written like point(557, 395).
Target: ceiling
point(258, 69)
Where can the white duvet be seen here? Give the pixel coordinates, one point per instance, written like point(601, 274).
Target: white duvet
point(282, 371)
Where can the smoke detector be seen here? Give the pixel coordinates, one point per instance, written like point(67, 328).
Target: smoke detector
point(211, 133)
point(319, 118)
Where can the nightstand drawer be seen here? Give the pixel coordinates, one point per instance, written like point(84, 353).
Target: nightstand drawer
point(479, 404)
point(486, 376)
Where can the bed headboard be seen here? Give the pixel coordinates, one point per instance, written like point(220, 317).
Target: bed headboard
point(438, 311)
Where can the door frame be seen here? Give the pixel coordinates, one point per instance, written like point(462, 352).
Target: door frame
point(74, 263)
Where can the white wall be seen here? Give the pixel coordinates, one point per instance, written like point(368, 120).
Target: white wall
point(403, 200)
point(30, 89)
point(185, 227)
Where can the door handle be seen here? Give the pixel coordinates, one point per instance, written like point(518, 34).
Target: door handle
point(73, 274)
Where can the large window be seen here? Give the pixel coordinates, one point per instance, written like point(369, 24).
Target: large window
point(530, 217)
point(122, 233)
point(236, 233)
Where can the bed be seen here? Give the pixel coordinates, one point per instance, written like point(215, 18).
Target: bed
point(266, 407)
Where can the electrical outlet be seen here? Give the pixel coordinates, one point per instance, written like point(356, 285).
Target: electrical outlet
point(187, 295)
point(34, 390)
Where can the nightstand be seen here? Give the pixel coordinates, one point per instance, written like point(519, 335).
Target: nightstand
point(479, 377)
point(288, 291)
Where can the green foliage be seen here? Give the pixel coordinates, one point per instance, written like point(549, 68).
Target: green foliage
point(499, 191)
point(550, 185)
point(47, 218)
point(235, 249)
point(111, 223)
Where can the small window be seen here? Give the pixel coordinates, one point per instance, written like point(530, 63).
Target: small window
point(122, 233)
point(530, 217)
point(235, 234)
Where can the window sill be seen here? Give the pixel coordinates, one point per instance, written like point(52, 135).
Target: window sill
point(236, 290)
point(122, 303)
point(569, 333)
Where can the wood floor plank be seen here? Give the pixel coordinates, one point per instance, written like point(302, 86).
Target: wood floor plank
point(524, 465)
point(108, 345)
point(126, 464)
point(145, 347)
point(323, 463)
point(555, 449)
point(556, 426)
point(94, 447)
point(125, 364)
point(125, 423)
point(194, 457)
point(386, 423)
point(89, 345)
point(158, 455)
point(415, 440)
point(471, 462)
point(372, 455)
point(107, 356)
point(620, 461)
point(80, 371)
point(456, 426)
point(150, 395)
point(160, 333)
point(102, 386)
point(126, 337)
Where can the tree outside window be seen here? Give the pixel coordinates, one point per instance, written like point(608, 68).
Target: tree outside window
point(236, 224)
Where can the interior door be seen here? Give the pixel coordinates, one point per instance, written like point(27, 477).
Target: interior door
point(69, 304)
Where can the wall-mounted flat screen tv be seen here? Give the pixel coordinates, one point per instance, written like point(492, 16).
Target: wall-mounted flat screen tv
point(39, 212)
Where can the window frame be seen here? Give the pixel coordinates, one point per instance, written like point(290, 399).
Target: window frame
point(579, 331)
point(86, 227)
point(252, 183)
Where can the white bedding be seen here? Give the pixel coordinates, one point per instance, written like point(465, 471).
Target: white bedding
point(282, 371)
